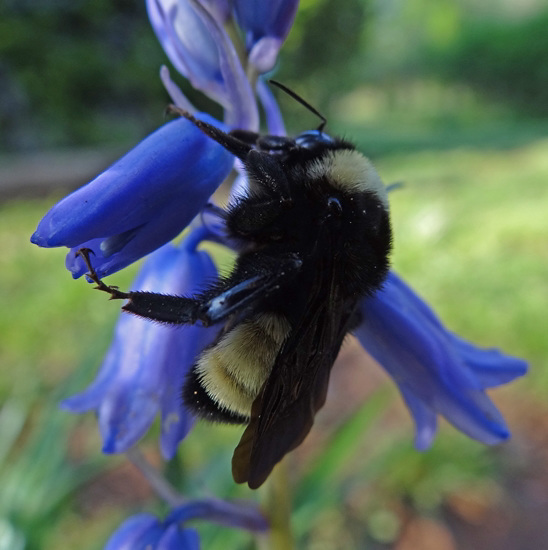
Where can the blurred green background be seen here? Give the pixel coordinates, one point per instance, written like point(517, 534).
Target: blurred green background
point(449, 97)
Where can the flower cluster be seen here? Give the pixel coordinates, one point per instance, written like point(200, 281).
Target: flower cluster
point(163, 186)
point(144, 368)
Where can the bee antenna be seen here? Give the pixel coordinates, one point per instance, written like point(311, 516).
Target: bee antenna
point(231, 143)
point(304, 103)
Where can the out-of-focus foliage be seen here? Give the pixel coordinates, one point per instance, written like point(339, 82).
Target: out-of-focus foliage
point(326, 36)
point(85, 73)
point(76, 72)
point(505, 59)
point(37, 480)
point(58, 61)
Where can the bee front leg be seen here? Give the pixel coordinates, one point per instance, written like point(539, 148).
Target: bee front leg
point(114, 291)
point(177, 310)
point(233, 295)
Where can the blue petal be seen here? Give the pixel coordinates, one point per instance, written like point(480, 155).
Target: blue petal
point(188, 44)
point(274, 118)
point(146, 532)
point(141, 202)
point(175, 538)
point(265, 26)
point(490, 366)
point(437, 372)
point(144, 368)
point(425, 419)
point(187, 343)
point(194, 39)
point(220, 9)
point(241, 109)
point(232, 514)
point(134, 533)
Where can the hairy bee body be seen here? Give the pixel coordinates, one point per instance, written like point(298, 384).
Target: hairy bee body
point(313, 236)
point(330, 214)
point(229, 374)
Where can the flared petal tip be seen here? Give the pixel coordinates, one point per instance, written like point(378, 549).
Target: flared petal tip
point(110, 446)
point(122, 429)
point(37, 239)
point(499, 434)
point(520, 366)
point(47, 232)
point(44, 237)
point(503, 436)
point(424, 438)
point(507, 369)
point(69, 405)
point(175, 427)
point(119, 437)
point(264, 53)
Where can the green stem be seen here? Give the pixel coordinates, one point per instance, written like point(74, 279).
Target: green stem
point(278, 511)
point(159, 484)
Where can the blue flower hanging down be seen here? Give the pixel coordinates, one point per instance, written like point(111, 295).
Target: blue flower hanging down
point(164, 185)
point(144, 531)
point(145, 366)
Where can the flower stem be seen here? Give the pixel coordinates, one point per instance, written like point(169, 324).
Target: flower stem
point(232, 514)
point(278, 511)
point(160, 485)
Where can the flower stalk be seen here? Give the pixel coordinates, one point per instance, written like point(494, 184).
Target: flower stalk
point(156, 480)
point(278, 510)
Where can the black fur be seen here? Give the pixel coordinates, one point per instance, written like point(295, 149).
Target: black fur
point(309, 251)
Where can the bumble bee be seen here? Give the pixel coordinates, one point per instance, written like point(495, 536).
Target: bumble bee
point(314, 238)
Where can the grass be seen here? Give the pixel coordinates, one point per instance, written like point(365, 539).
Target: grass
point(470, 236)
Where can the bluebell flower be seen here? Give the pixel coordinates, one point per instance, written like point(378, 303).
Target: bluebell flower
point(266, 26)
point(241, 515)
point(436, 372)
point(199, 48)
point(143, 371)
point(141, 202)
point(151, 194)
point(146, 532)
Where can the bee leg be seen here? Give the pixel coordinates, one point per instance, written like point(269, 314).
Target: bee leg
point(175, 310)
point(115, 293)
point(243, 294)
point(233, 295)
point(158, 307)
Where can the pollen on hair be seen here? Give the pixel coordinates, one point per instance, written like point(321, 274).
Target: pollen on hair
point(350, 171)
point(233, 371)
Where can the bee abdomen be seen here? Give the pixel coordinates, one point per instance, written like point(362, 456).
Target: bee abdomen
point(228, 376)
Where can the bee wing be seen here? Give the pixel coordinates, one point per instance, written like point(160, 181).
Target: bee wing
point(283, 413)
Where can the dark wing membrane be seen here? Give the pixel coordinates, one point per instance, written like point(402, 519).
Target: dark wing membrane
point(283, 413)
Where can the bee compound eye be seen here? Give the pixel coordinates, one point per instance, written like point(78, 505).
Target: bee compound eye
point(312, 138)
